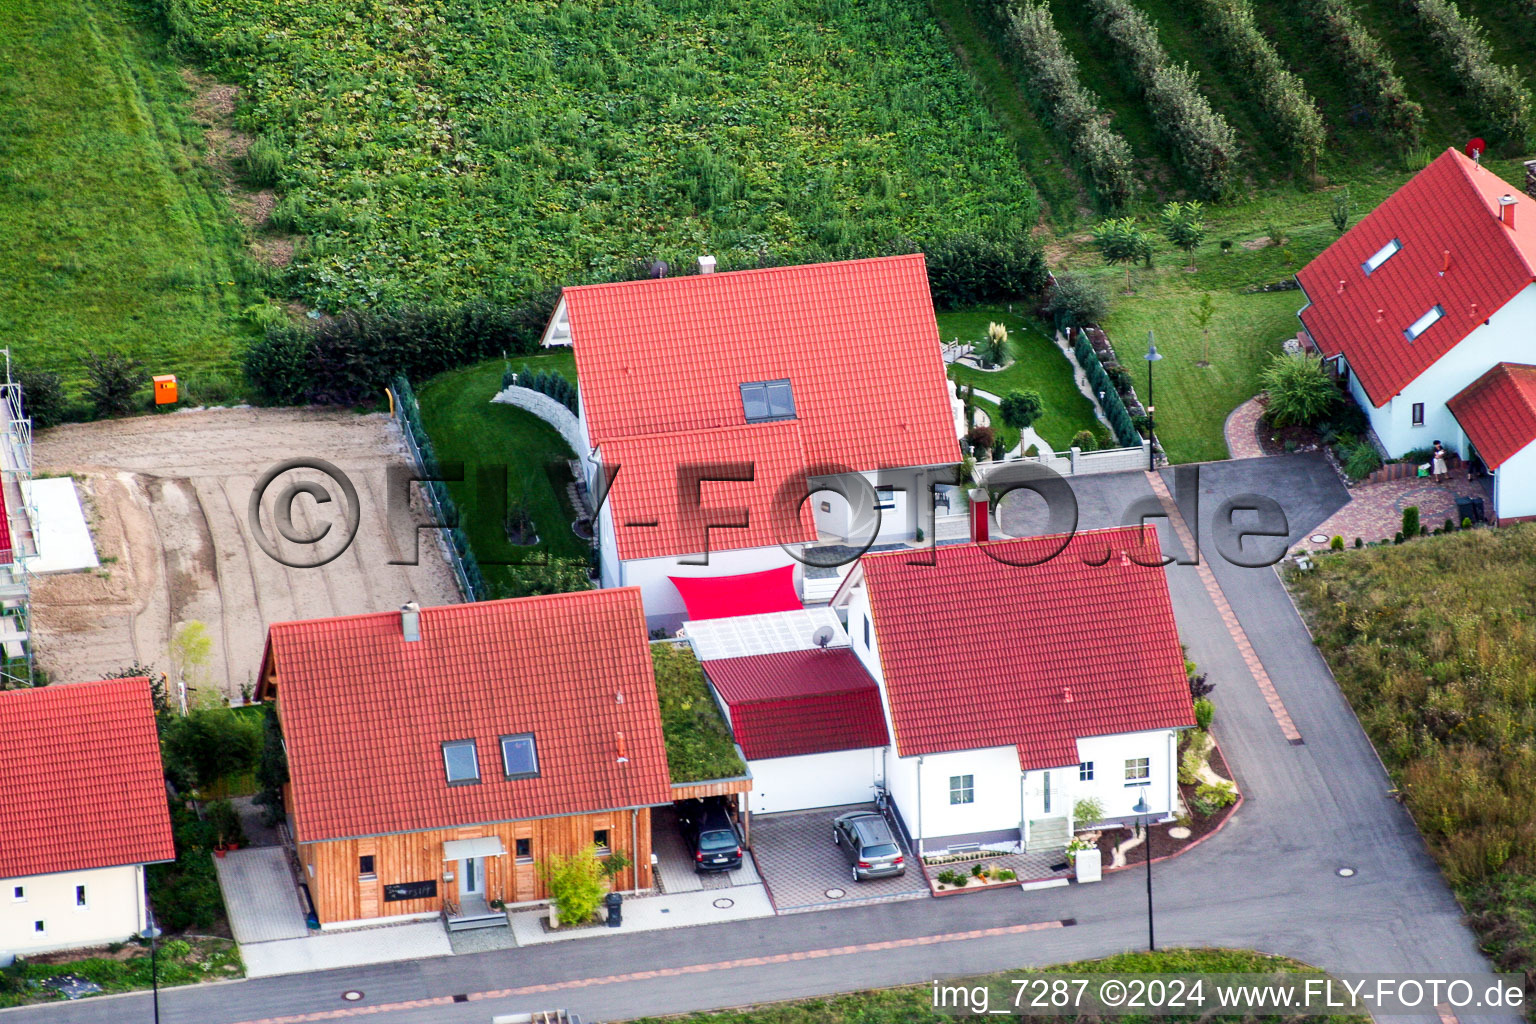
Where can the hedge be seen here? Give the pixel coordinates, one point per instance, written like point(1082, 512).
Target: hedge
point(545, 382)
point(1069, 107)
point(1363, 63)
point(1497, 90)
point(1203, 143)
point(410, 412)
point(1277, 90)
point(349, 359)
point(1119, 419)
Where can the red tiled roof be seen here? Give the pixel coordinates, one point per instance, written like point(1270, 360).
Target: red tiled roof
point(857, 340)
point(1450, 206)
point(646, 490)
point(1498, 411)
point(799, 702)
point(365, 712)
point(977, 653)
point(83, 783)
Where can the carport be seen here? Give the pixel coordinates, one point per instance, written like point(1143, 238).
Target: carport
point(805, 871)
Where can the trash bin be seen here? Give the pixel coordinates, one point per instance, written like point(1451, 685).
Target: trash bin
point(1478, 515)
point(615, 904)
point(1464, 511)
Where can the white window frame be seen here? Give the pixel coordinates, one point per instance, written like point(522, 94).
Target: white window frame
point(43, 931)
point(82, 898)
point(1381, 256)
point(962, 790)
point(1416, 414)
point(1425, 322)
point(1085, 771)
point(18, 894)
point(1142, 769)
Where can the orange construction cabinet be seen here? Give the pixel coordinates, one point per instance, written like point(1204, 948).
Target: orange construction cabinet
point(165, 389)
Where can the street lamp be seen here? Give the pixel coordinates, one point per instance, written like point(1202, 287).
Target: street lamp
point(1143, 808)
point(1152, 356)
point(152, 933)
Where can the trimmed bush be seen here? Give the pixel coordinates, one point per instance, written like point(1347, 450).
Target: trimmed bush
point(1204, 712)
point(1126, 432)
point(1203, 144)
point(1497, 90)
point(1084, 441)
point(1077, 301)
point(1019, 409)
point(1300, 392)
point(1336, 543)
point(1278, 90)
point(1360, 59)
point(1070, 108)
point(1411, 521)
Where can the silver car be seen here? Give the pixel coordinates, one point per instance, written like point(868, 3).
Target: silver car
point(866, 839)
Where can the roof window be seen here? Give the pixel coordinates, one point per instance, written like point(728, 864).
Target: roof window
point(1423, 323)
point(462, 762)
point(768, 400)
point(1381, 256)
point(519, 756)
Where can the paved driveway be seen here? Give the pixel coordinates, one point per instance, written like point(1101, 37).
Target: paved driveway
point(1268, 882)
point(260, 895)
point(805, 871)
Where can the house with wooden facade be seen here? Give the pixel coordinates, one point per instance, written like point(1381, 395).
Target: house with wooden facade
point(438, 756)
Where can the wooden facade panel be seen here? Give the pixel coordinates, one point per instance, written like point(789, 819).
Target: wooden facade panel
point(719, 787)
point(341, 894)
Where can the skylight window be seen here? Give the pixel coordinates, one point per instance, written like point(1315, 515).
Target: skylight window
point(1383, 254)
point(519, 756)
point(768, 400)
point(1423, 323)
point(462, 762)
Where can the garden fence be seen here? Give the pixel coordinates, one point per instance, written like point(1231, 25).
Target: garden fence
point(466, 569)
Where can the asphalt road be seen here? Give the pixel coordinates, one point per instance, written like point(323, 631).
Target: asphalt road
point(1269, 881)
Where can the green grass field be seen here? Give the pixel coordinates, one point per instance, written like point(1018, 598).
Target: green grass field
point(466, 427)
point(1038, 365)
point(112, 232)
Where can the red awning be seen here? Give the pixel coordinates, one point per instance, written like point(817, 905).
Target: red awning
point(753, 593)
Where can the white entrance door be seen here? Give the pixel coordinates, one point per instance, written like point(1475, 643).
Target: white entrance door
point(472, 876)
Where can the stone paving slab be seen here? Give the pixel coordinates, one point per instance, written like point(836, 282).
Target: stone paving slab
point(675, 871)
point(260, 895)
point(1242, 430)
point(806, 871)
point(652, 913)
point(330, 950)
point(1375, 511)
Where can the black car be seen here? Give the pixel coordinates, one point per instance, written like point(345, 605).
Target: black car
point(711, 834)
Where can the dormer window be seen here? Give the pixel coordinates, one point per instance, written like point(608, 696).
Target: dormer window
point(462, 762)
point(766, 400)
point(1423, 323)
point(519, 756)
point(1381, 256)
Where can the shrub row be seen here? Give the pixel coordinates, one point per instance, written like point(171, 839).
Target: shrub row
point(1361, 60)
point(1277, 89)
point(543, 381)
point(410, 412)
point(1119, 419)
point(349, 358)
point(1203, 143)
point(1068, 106)
point(1497, 90)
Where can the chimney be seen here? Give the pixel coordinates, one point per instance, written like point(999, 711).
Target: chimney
point(1507, 211)
point(1341, 286)
point(410, 620)
point(979, 515)
point(1445, 261)
point(1380, 315)
point(619, 748)
point(1066, 695)
point(706, 264)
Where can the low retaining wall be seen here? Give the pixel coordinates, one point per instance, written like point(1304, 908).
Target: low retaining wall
point(1079, 463)
point(550, 411)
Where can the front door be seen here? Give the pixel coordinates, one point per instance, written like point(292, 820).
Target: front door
point(471, 871)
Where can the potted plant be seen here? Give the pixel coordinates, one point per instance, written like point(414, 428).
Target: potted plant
point(219, 849)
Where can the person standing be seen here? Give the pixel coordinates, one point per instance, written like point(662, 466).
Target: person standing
point(1438, 469)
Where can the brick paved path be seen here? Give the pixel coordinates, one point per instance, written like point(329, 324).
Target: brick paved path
point(1242, 430)
point(1375, 511)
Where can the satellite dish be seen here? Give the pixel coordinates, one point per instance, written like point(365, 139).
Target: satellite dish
point(823, 636)
point(1475, 149)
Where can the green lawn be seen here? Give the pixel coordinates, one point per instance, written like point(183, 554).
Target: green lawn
point(466, 426)
point(112, 232)
point(914, 1004)
point(1038, 365)
point(1432, 641)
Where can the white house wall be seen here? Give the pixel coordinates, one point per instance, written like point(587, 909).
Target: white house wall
point(814, 780)
point(1514, 485)
point(1109, 754)
point(1509, 336)
point(920, 787)
point(114, 910)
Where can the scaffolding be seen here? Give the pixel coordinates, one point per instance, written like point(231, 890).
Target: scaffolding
point(18, 537)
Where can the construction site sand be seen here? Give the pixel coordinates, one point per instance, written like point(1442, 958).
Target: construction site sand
point(167, 499)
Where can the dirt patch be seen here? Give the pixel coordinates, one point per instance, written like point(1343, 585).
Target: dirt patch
point(1253, 244)
point(277, 251)
point(253, 208)
point(213, 108)
point(168, 497)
